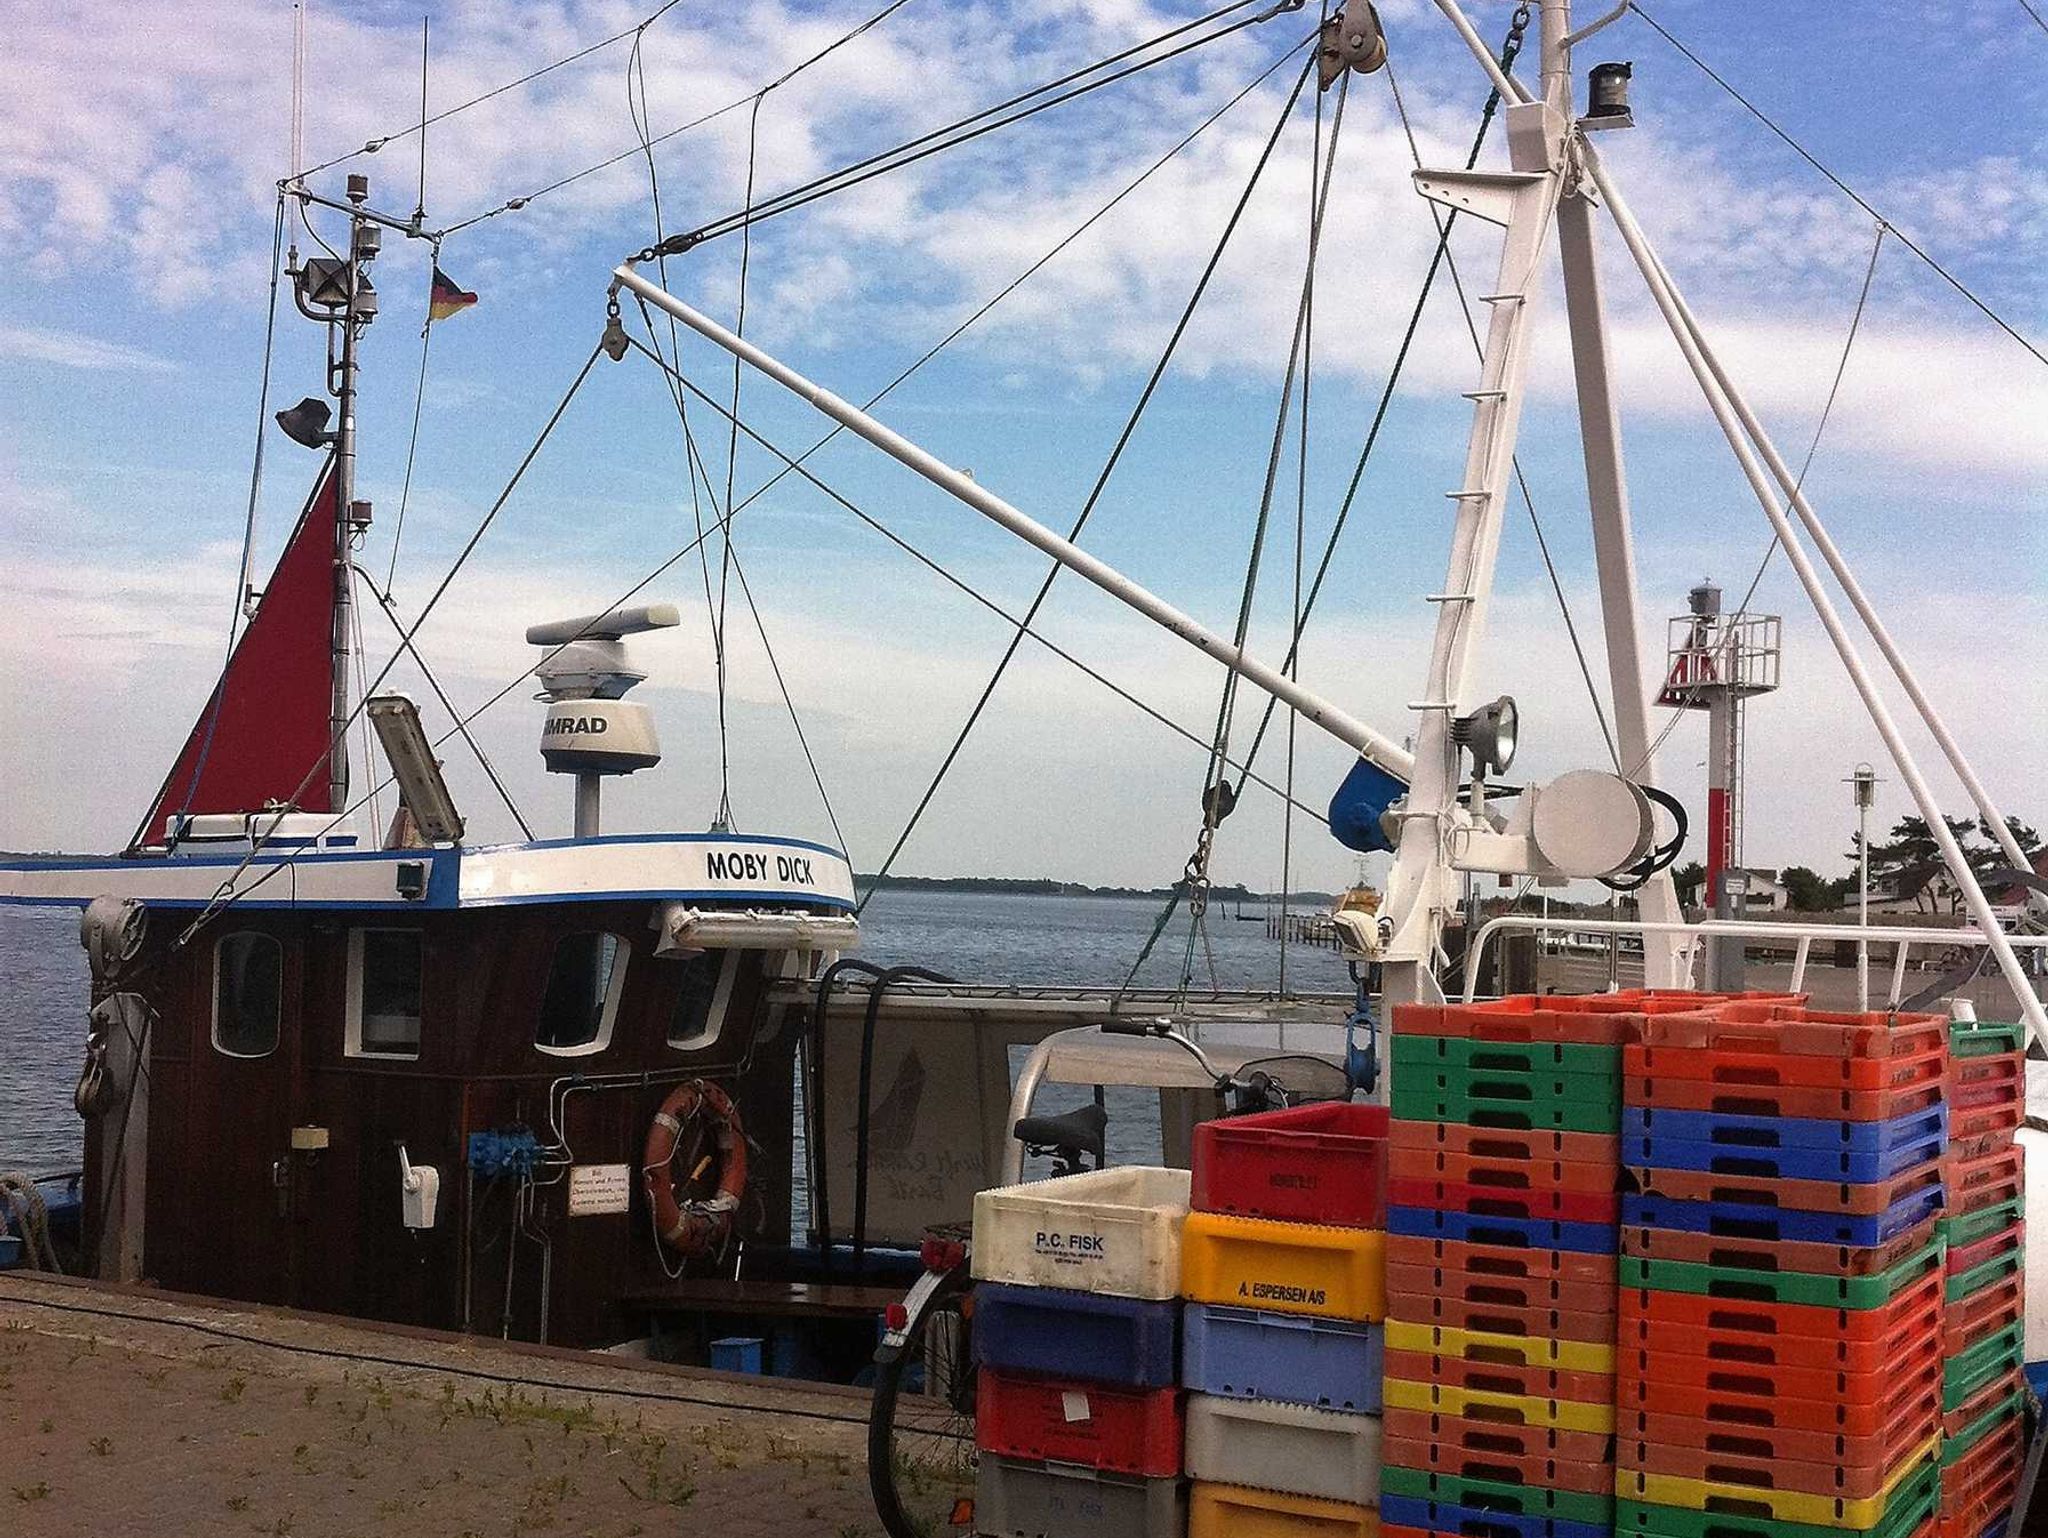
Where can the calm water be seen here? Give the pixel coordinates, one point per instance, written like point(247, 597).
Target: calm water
point(972, 937)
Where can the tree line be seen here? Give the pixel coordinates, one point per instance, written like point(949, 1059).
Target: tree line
point(1906, 864)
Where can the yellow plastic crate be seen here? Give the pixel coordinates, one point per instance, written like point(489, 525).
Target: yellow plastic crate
point(1485, 1346)
point(1780, 1505)
point(1289, 1268)
point(1485, 1404)
point(1231, 1511)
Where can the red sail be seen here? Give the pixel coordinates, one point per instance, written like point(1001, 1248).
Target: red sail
point(262, 738)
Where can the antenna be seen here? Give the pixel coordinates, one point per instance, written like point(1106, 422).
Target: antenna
point(419, 212)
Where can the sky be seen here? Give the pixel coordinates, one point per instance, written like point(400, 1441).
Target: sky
point(137, 198)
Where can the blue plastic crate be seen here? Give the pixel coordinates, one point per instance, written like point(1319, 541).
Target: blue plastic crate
point(1246, 1353)
point(1743, 1133)
point(1521, 1233)
point(1672, 1153)
point(1478, 1522)
point(1133, 1342)
point(1742, 1220)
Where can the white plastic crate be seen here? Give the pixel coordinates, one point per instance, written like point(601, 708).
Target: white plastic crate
point(1113, 1231)
point(1292, 1448)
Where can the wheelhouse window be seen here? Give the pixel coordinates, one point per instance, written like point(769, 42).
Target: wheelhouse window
point(248, 993)
point(582, 996)
point(700, 1000)
point(386, 974)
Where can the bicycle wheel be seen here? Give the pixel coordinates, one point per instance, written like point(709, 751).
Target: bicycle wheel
point(921, 1457)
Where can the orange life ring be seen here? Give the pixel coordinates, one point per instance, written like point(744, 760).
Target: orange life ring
point(692, 1227)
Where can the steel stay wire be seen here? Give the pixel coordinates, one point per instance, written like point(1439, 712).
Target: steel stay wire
point(339, 740)
point(1214, 808)
point(795, 465)
point(513, 205)
point(1102, 480)
point(1843, 187)
point(974, 126)
point(1380, 410)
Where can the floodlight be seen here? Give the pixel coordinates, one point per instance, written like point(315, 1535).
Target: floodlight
point(1489, 734)
point(306, 423)
point(397, 722)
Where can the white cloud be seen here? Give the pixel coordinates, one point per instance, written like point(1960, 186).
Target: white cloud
point(68, 349)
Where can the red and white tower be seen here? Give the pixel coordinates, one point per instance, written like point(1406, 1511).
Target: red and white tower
point(1716, 663)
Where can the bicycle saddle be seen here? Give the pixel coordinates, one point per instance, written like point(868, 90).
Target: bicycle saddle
point(1080, 1130)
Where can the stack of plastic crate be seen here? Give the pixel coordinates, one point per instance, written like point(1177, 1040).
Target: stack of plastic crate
point(1076, 1321)
point(1501, 1217)
point(1984, 1297)
point(1284, 1266)
point(1779, 1366)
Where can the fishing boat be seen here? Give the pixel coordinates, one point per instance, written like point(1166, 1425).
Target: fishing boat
point(633, 1086)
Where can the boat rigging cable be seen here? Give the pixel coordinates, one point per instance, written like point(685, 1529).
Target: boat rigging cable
point(1510, 49)
point(1095, 492)
point(1216, 802)
point(513, 205)
point(228, 894)
point(1843, 187)
point(794, 463)
point(2039, 20)
point(1799, 483)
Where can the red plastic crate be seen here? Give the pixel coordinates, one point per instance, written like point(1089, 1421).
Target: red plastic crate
point(1999, 1394)
point(1975, 1081)
point(1479, 1438)
point(1860, 1199)
point(1780, 1334)
point(1974, 1131)
point(1979, 1487)
point(1798, 1031)
point(2005, 1242)
point(1857, 1404)
point(1601, 1019)
point(1432, 1306)
point(1511, 1173)
point(1536, 1470)
point(1968, 1320)
point(1512, 1145)
point(1322, 1164)
point(1773, 1255)
point(1506, 1201)
point(1739, 1070)
point(1505, 1261)
point(1537, 1382)
point(1126, 1431)
point(1668, 1091)
point(1910, 1425)
point(1985, 1181)
point(1768, 1471)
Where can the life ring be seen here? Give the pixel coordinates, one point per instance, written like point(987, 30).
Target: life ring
point(692, 1227)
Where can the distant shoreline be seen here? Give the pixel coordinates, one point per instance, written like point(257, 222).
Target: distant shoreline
point(1008, 886)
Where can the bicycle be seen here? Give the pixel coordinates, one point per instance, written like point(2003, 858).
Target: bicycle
point(922, 1460)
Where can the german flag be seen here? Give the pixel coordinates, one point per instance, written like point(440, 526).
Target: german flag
point(446, 298)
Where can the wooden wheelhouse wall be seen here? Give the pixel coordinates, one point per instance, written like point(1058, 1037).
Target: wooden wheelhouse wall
point(234, 1209)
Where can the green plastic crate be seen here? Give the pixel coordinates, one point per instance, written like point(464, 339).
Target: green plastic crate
point(1954, 1449)
point(1969, 1227)
point(1912, 1503)
point(1966, 1375)
point(1984, 1038)
point(1967, 1284)
point(1507, 1057)
point(1851, 1292)
point(1499, 1495)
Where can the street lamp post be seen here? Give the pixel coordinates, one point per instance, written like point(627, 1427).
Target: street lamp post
point(1863, 786)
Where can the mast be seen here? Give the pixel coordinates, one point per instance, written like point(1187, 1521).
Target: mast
point(362, 246)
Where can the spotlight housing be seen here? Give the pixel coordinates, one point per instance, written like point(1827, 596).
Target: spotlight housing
point(1490, 734)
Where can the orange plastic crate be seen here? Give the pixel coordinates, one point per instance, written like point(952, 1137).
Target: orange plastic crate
point(1773, 1255)
point(1780, 1334)
point(1531, 1382)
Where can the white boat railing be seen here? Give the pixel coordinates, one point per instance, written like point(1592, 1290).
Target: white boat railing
point(1904, 937)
